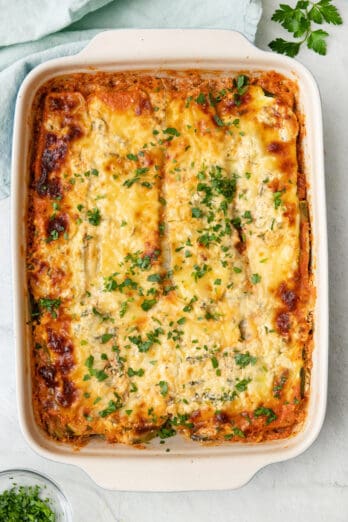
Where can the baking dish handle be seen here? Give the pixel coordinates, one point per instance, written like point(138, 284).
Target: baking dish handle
point(173, 473)
point(114, 45)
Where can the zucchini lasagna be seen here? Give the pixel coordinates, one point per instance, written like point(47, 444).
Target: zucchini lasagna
point(168, 257)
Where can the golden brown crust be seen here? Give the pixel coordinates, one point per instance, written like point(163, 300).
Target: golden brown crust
point(96, 311)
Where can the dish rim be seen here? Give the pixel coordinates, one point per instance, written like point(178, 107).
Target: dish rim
point(180, 48)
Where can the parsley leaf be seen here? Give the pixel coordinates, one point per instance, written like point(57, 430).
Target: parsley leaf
point(132, 373)
point(147, 304)
point(132, 157)
point(298, 21)
point(111, 408)
point(244, 359)
point(281, 46)
point(255, 278)
point(201, 99)
point(294, 20)
point(163, 387)
point(200, 271)
point(324, 10)
point(317, 42)
point(267, 412)
point(106, 337)
point(242, 385)
point(94, 217)
point(196, 212)
point(50, 305)
point(171, 131)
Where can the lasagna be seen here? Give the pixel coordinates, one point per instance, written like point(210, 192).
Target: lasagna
point(168, 257)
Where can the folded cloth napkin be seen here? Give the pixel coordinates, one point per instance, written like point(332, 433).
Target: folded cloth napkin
point(32, 19)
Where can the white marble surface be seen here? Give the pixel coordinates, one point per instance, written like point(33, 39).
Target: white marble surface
point(314, 486)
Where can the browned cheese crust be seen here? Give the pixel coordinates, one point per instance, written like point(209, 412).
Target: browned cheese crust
point(168, 257)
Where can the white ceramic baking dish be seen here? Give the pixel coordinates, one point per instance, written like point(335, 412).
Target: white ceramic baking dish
point(188, 465)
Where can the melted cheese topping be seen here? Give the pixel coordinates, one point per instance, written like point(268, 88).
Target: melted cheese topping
point(165, 257)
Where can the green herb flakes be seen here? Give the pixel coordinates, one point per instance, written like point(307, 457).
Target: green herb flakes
point(255, 279)
point(266, 412)
point(163, 387)
point(94, 217)
point(25, 504)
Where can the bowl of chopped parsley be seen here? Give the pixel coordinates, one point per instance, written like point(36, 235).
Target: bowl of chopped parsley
point(27, 496)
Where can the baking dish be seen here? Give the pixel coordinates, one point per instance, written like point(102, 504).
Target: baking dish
point(186, 466)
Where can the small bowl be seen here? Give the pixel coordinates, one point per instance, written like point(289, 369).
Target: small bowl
point(48, 489)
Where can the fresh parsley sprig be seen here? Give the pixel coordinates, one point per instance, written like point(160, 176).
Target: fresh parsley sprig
point(298, 20)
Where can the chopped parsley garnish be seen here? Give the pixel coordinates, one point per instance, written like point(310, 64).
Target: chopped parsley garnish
point(166, 430)
point(189, 307)
point(241, 82)
point(94, 217)
point(171, 131)
point(238, 432)
point(25, 503)
point(216, 191)
point(155, 278)
point(88, 173)
point(277, 198)
point(279, 385)
point(218, 120)
point(201, 99)
point(148, 304)
point(255, 278)
point(49, 305)
point(132, 157)
point(242, 385)
point(138, 373)
point(200, 271)
point(248, 217)
point(244, 359)
point(100, 375)
point(133, 387)
point(152, 338)
point(237, 223)
point(54, 235)
point(141, 261)
point(139, 172)
point(188, 101)
point(123, 308)
point(111, 408)
point(267, 412)
point(161, 229)
point(182, 420)
point(106, 337)
point(110, 284)
point(196, 212)
point(103, 317)
point(163, 387)
point(89, 361)
point(214, 362)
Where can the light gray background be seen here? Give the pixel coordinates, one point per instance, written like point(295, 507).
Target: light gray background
point(314, 486)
